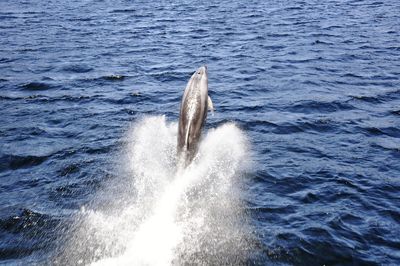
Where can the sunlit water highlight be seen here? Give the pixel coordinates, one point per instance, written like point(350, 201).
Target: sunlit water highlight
point(164, 216)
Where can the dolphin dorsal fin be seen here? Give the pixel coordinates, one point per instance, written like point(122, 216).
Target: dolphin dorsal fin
point(210, 105)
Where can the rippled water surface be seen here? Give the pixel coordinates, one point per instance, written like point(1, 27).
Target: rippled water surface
point(307, 174)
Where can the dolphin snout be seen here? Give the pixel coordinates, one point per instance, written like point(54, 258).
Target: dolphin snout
point(202, 70)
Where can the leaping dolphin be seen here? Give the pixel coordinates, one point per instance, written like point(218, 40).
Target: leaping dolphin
point(193, 113)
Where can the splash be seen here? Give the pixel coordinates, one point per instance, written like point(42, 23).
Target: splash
point(160, 215)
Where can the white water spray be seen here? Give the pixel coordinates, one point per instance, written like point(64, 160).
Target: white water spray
point(163, 217)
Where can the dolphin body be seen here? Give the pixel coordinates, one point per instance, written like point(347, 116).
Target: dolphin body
point(193, 113)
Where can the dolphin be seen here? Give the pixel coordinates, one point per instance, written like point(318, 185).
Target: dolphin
point(193, 113)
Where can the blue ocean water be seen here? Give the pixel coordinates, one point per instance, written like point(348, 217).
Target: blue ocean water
point(314, 86)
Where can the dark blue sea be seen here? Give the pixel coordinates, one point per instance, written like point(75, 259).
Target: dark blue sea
point(298, 165)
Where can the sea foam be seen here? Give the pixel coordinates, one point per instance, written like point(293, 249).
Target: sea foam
point(160, 215)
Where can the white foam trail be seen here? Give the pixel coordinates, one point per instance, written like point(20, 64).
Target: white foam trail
point(164, 217)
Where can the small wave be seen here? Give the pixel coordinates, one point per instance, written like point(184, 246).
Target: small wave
point(77, 68)
point(331, 27)
point(288, 128)
point(388, 146)
point(278, 35)
point(25, 231)
point(22, 221)
point(133, 97)
point(394, 214)
point(98, 150)
point(316, 232)
point(257, 125)
point(8, 98)
point(66, 98)
point(281, 65)
point(80, 19)
point(303, 252)
point(65, 191)
point(169, 76)
point(318, 153)
point(395, 112)
point(380, 97)
point(369, 99)
point(6, 60)
point(249, 108)
point(318, 125)
point(321, 34)
point(391, 95)
point(285, 209)
point(290, 8)
point(344, 225)
point(321, 42)
point(376, 4)
point(309, 198)
point(114, 77)
point(348, 183)
point(36, 86)
point(13, 162)
point(7, 16)
point(388, 131)
point(310, 106)
point(352, 75)
point(351, 218)
point(69, 169)
point(125, 10)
